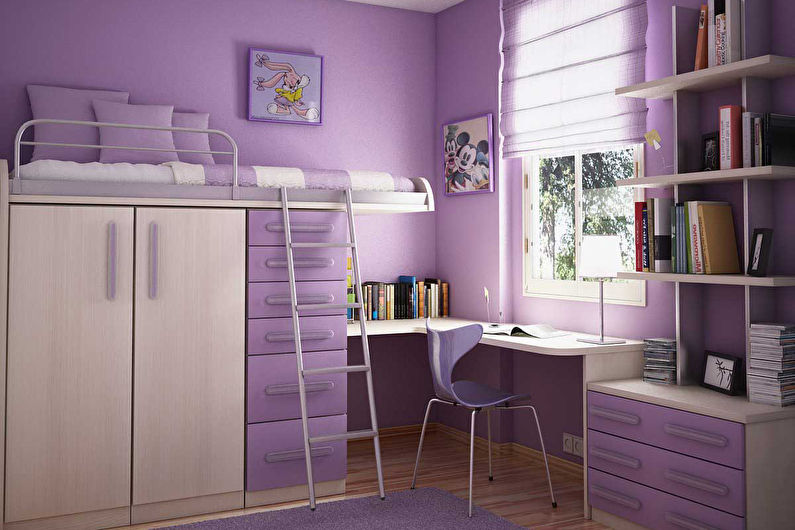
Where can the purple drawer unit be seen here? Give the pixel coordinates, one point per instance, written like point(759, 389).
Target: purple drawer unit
point(275, 335)
point(273, 386)
point(700, 436)
point(269, 264)
point(275, 453)
point(654, 509)
point(272, 299)
point(266, 227)
point(711, 484)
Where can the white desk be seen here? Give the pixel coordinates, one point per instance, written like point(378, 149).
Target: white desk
point(599, 363)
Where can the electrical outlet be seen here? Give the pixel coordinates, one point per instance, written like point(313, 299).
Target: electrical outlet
point(572, 444)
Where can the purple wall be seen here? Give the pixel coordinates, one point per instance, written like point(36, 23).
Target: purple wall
point(378, 84)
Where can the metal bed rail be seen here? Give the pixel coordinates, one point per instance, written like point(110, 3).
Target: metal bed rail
point(18, 141)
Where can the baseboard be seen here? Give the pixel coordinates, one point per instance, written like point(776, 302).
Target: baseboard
point(159, 511)
point(78, 521)
point(402, 430)
point(293, 493)
point(613, 521)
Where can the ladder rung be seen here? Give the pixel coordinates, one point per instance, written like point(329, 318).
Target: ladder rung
point(310, 307)
point(337, 370)
point(352, 435)
point(322, 245)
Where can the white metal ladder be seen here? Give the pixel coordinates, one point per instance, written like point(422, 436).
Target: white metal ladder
point(297, 308)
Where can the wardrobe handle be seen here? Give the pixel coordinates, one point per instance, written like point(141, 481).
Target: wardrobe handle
point(292, 388)
point(153, 260)
point(686, 522)
point(616, 458)
point(297, 454)
point(696, 435)
point(301, 227)
point(289, 336)
point(612, 496)
point(112, 259)
point(614, 415)
point(686, 479)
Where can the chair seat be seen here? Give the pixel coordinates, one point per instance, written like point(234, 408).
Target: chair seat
point(474, 394)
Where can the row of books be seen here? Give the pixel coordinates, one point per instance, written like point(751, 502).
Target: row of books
point(753, 139)
point(771, 364)
point(407, 298)
point(694, 237)
point(719, 34)
point(659, 361)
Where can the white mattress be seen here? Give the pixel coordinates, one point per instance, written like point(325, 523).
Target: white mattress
point(97, 172)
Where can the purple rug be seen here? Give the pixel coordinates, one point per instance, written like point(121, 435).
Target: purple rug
point(421, 508)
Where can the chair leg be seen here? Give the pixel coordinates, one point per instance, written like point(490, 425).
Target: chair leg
point(422, 438)
point(471, 456)
point(488, 428)
point(544, 452)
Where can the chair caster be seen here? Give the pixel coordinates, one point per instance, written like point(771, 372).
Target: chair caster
point(312, 509)
point(412, 487)
point(491, 479)
point(383, 498)
point(554, 504)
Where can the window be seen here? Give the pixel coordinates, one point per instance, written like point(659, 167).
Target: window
point(566, 196)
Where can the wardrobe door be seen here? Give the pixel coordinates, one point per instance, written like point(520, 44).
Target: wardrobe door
point(69, 365)
point(189, 359)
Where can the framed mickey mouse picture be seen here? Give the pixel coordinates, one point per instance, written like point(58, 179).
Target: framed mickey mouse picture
point(468, 166)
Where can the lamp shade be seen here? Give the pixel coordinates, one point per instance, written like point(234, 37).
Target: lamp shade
point(600, 257)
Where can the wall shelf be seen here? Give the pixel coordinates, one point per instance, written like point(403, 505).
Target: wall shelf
point(708, 177)
point(713, 279)
point(765, 66)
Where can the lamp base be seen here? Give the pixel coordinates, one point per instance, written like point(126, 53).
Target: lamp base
point(602, 342)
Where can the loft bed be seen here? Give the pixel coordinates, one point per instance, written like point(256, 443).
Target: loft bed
point(229, 185)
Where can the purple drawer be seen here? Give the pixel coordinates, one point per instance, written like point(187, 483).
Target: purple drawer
point(275, 335)
point(700, 436)
point(273, 386)
point(654, 509)
point(272, 299)
point(266, 227)
point(275, 453)
point(269, 264)
point(711, 484)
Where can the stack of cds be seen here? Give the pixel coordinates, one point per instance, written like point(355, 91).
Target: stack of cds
point(659, 361)
point(771, 364)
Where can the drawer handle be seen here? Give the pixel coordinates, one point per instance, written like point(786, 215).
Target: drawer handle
point(284, 299)
point(300, 263)
point(112, 259)
point(618, 498)
point(314, 228)
point(292, 388)
point(297, 454)
point(693, 481)
point(718, 440)
point(614, 415)
point(153, 260)
point(616, 458)
point(686, 522)
point(289, 336)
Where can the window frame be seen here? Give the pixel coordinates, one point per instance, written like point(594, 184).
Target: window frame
point(630, 292)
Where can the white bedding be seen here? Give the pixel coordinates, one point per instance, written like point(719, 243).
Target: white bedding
point(97, 172)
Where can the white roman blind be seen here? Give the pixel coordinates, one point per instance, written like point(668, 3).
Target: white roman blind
point(563, 59)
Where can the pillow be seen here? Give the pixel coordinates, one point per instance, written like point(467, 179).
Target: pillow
point(156, 115)
point(67, 104)
point(195, 141)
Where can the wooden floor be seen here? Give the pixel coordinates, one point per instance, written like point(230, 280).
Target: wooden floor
point(518, 493)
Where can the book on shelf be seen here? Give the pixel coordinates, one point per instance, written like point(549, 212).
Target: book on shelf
point(653, 226)
point(724, 32)
point(767, 139)
point(639, 235)
point(771, 364)
point(718, 243)
point(659, 361)
point(404, 299)
point(702, 41)
point(662, 234)
point(650, 228)
point(749, 149)
point(730, 145)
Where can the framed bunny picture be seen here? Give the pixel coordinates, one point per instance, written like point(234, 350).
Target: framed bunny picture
point(468, 166)
point(285, 87)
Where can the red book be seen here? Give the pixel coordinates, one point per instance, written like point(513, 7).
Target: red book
point(701, 41)
point(639, 235)
point(730, 136)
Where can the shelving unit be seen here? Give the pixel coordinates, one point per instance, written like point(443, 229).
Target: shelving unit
point(706, 306)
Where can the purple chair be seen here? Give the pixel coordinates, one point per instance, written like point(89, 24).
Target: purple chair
point(445, 349)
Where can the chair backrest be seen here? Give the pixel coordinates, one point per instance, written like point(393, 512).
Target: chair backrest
point(445, 349)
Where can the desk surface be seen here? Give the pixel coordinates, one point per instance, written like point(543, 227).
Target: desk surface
point(565, 346)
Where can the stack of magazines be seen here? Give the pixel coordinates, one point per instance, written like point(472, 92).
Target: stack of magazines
point(659, 361)
point(771, 365)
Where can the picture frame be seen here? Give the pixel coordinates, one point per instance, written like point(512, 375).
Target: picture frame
point(710, 158)
point(759, 251)
point(723, 373)
point(285, 87)
point(467, 148)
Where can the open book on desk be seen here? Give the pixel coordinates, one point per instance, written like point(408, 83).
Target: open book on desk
point(539, 331)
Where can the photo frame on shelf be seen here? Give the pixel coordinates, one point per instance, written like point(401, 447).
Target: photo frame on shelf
point(710, 159)
point(723, 373)
point(759, 251)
